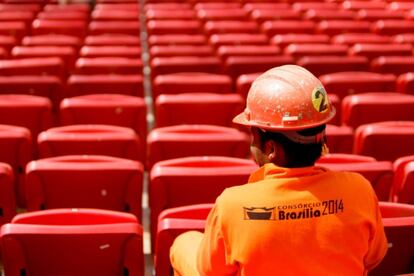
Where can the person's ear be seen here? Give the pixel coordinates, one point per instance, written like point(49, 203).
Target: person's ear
point(271, 150)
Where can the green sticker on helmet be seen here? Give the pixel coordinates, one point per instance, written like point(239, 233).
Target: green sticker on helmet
point(320, 100)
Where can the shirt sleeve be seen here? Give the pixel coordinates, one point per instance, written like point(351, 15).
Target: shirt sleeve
point(378, 244)
point(211, 257)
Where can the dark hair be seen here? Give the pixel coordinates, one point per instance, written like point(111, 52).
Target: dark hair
point(296, 154)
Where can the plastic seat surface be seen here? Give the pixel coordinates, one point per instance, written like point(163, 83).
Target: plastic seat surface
point(283, 40)
point(229, 26)
point(180, 50)
point(33, 66)
point(403, 185)
point(155, 14)
point(66, 53)
point(392, 27)
point(112, 39)
point(108, 65)
point(174, 27)
point(7, 194)
point(376, 50)
point(247, 50)
point(83, 249)
point(393, 64)
point(275, 27)
point(314, 49)
point(177, 39)
point(238, 39)
point(52, 40)
point(196, 140)
point(367, 108)
point(110, 15)
point(114, 27)
point(89, 181)
point(110, 51)
point(197, 108)
point(405, 83)
point(340, 138)
point(167, 65)
point(90, 139)
point(66, 27)
point(325, 64)
point(354, 38)
point(334, 27)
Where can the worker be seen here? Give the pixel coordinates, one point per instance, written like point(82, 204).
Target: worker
point(292, 217)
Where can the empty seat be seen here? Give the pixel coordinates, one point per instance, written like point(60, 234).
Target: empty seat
point(66, 27)
point(304, 6)
point(385, 140)
point(108, 65)
point(276, 27)
point(196, 140)
point(33, 66)
point(219, 5)
point(16, 150)
point(393, 209)
point(180, 50)
point(238, 39)
point(334, 27)
point(117, 6)
point(393, 27)
point(354, 38)
point(244, 82)
point(320, 65)
point(173, 27)
point(73, 242)
point(376, 107)
point(90, 139)
point(326, 14)
point(283, 40)
point(111, 27)
point(378, 173)
point(358, 5)
point(63, 15)
point(156, 5)
point(7, 194)
point(177, 39)
point(105, 84)
point(346, 83)
point(375, 50)
point(197, 108)
point(25, 16)
point(247, 50)
point(393, 64)
point(110, 51)
point(191, 82)
point(261, 14)
point(222, 14)
point(403, 185)
point(340, 138)
point(374, 14)
point(7, 42)
point(45, 86)
point(404, 38)
point(400, 5)
point(168, 65)
point(251, 6)
point(17, 29)
point(398, 229)
point(84, 181)
point(80, 7)
point(202, 179)
point(111, 109)
point(405, 83)
point(66, 53)
point(31, 112)
point(112, 39)
point(110, 15)
point(303, 49)
point(216, 27)
point(19, 7)
point(52, 40)
point(182, 14)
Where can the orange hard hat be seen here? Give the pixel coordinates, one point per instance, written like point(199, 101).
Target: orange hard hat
point(286, 98)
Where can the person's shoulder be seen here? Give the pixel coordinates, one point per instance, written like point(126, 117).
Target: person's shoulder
point(352, 181)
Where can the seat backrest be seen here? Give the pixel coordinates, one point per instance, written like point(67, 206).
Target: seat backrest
point(109, 246)
point(196, 140)
point(403, 185)
point(340, 138)
point(7, 194)
point(202, 178)
point(379, 173)
point(395, 210)
point(385, 140)
point(84, 182)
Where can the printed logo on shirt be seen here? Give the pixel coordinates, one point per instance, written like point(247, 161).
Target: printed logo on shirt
point(295, 211)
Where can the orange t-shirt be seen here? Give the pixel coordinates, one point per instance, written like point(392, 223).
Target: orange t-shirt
point(301, 221)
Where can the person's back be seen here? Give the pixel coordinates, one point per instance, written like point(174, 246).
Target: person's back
point(292, 218)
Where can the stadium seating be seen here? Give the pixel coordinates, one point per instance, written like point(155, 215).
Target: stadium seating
point(73, 242)
point(313, 49)
point(65, 27)
point(52, 66)
point(175, 26)
point(176, 64)
point(180, 50)
point(108, 65)
point(196, 140)
point(393, 64)
point(340, 138)
point(405, 83)
point(321, 65)
point(354, 38)
point(84, 181)
point(111, 27)
point(403, 185)
point(197, 108)
point(112, 39)
point(372, 51)
point(7, 194)
point(52, 40)
point(110, 51)
point(283, 40)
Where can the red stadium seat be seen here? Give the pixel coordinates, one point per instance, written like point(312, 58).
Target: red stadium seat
point(403, 185)
point(334, 27)
point(114, 27)
point(223, 27)
point(376, 107)
point(284, 40)
point(244, 82)
point(110, 51)
point(79, 181)
point(108, 65)
point(183, 14)
point(19, 7)
point(405, 83)
point(112, 40)
point(25, 16)
point(322, 14)
point(63, 15)
point(404, 38)
point(347, 83)
point(196, 140)
point(375, 50)
point(247, 50)
point(66, 53)
point(385, 140)
point(393, 27)
point(52, 40)
point(223, 5)
point(180, 50)
point(45, 86)
point(33, 66)
point(262, 14)
point(393, 64)
point(16, 150)
point(300, 50)
point(358, 5)
point(31, 112)
point(364, 38)
point(398, 229)
point(222, 14)
point(65, 27)
point(191, 82)
point(157, 5)
point(73, 242)
point(90, 139)
point(340, 138)
point(336, 103)
point(307, 5)
point(202, 179)
point(16, 29)
point(374, 14)
point(168, 65)
point(7, 194)
point(80, 7)
point(7, 42)
point(321, 65)
point(117, 6)
point(105, 84)
point(238, 39)
point(379, 173)
point(197, 108)
point(161, 27)
point(393, 209)
point(194, 211)
point(400, 5)
point(274, 6)
point(111, 15)
point(177, 39)
point(285, 26)
point(112, 109)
